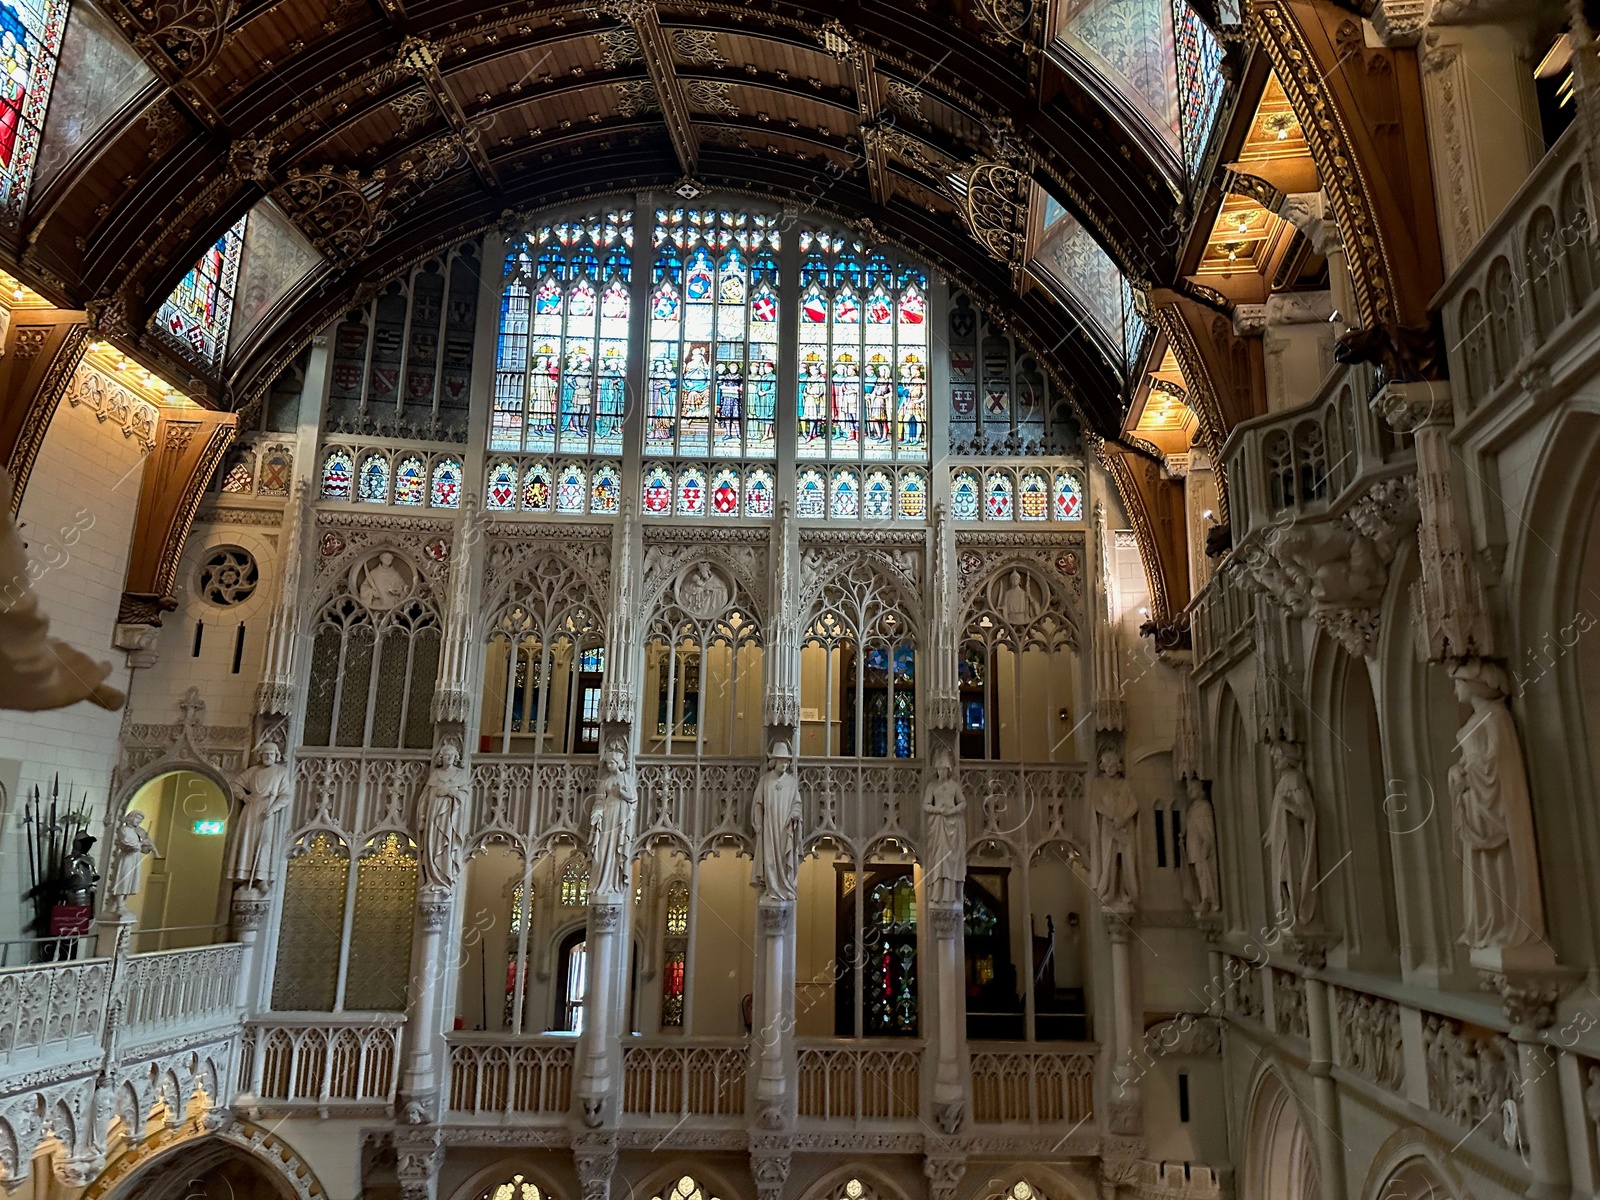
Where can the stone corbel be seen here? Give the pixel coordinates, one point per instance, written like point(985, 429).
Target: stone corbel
point(1311, 214)
point(944, 1172)
point(1335, 572)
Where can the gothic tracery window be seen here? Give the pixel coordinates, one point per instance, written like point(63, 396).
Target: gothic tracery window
point(703, 654)
point(374, 659)
point(859, 670)
point(674, 954)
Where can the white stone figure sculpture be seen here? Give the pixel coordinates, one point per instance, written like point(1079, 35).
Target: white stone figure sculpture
point(382, 585)
point(263, 790)
point(39, 672)
point(945, 814)
point(1016, 606)
point(1200, 851)
point(1494, 818)
point(1116, 835)
point(1292, 836)
point(129, 845)
point(611, 822)
point(445, 797)
point(775, 813)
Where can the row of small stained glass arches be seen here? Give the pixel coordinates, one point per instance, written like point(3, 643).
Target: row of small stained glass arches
point(694, 490)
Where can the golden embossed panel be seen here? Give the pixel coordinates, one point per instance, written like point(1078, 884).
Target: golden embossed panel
point(380, 937)
point(307, 977)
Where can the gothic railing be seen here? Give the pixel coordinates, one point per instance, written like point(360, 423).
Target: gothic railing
point(1026, 805)
point(51, 1015)
point(1032, 1087)
point(167, 991)
point(176, 1044)
point(492, 1076)
point(701, 1079)
point(1287, 466)
point(862, 1081)
point(859, 804)
point(1222, 611)
point(1514, 304)
point(356, 792)
point(322, 1061)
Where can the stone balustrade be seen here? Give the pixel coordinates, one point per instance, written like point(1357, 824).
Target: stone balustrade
point(164, 1052)
point(327, 1062)
point(1526, 292)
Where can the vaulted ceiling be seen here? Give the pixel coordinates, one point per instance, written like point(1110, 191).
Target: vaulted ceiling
point(388, 130)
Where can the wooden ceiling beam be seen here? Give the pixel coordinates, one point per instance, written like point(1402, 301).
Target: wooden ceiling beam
point(641, 17)
point(420, 57)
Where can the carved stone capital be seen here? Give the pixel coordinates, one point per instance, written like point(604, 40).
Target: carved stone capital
point(138, 640)
point(419, 1154)
point(944, 1172)
point(433, 908)
point(1529, 998)
point(776, 916)
point(945, 921)
point(769, 1166)
point(596, 1161)
point(1249, 319)
point(605, 918)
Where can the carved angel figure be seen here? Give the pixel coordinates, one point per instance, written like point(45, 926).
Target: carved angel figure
point(263, 790)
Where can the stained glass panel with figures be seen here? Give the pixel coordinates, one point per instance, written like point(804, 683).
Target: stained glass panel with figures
point(714, 322)
point(561, 357)
point(863, 356)
point(195, 317)
point(30, 40)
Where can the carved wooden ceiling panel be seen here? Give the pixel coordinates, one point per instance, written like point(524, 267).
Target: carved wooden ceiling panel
point(438, 119)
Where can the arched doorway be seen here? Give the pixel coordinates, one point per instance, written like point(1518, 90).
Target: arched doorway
point(211, 1165)
point(1280, 1163)
point(181, 897)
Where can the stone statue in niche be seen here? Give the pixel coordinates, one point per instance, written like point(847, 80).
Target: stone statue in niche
point(611, 821)
point(129, 846)
point(1494, 817)
point(381, 585)
point(944, 811)
point(1292, 835)
point(264, 790)
point(775, 813)
point(1200, 851)
point(1115, 871)
point(445, 797)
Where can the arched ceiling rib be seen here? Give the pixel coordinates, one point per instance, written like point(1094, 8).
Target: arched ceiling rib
point(427, 121)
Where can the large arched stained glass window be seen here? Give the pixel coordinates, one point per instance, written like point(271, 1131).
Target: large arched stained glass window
point(561, 360)
point(863, 387)
point(713, 334)
point(33, 31)
point(196, 316)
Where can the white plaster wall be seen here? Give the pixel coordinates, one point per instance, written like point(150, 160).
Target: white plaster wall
point(77, 518)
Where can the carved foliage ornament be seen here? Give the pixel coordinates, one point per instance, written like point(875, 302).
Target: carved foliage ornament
point(994, 203)
point(187, 33)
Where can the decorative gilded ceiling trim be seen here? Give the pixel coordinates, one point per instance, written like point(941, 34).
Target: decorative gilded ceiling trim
point(1342, 170)
point(641, 17)
point(1202, 396)
point(46, 398)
